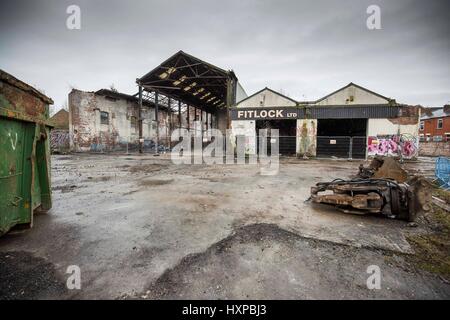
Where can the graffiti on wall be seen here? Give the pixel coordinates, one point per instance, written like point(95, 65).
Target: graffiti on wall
point(404, 145)
point(59, 140)
point(306, 131)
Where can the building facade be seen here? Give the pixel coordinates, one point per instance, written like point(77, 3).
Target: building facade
point(106, 120)
point(352, 122)
point(435, 125)
point(434, 132)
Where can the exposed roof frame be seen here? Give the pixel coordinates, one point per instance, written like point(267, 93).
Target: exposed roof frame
point(190, 80)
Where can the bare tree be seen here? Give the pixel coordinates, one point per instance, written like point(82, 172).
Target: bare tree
point(112, 87)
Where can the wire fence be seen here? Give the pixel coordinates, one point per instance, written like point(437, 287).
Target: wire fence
point(442, 172)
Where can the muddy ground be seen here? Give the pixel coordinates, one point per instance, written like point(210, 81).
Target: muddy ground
point(142, 227)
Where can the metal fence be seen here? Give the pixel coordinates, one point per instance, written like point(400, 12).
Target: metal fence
point(287, 145)
point(442, 172)
point(103, 144)
point(342, 147)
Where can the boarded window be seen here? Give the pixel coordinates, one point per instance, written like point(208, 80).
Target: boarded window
point(104, 117)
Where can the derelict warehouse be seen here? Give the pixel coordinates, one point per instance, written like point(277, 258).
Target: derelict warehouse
point(186, 92)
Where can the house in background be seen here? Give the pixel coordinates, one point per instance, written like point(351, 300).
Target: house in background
point(60, 120)
point(434, 131)
point(435, 124)
point(59, 135)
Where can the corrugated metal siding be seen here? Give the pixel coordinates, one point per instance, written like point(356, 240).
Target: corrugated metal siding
point(349, 112)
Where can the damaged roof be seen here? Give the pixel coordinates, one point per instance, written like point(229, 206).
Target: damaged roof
point(119, 95)
point(191, 80)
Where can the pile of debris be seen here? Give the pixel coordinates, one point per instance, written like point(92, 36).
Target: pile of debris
point(382, 188)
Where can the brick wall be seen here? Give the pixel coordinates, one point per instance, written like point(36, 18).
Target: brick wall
point(430, 127)
point(434, 149)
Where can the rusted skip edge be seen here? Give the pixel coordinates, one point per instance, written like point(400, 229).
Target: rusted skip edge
point(8, 113)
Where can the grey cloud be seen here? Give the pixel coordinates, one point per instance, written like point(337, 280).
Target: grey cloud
point(305, 48)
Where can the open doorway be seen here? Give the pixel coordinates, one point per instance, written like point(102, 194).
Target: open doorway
point(287, 134)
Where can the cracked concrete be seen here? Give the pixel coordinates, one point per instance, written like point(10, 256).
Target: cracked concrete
point(127, 221)
point(263, 261)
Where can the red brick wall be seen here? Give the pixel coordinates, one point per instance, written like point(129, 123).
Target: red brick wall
point(61, 119)
point(430, 127)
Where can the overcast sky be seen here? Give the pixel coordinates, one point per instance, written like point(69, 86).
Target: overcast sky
point(304, 48)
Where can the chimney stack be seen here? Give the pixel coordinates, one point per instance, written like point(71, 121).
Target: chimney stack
point(447, 108)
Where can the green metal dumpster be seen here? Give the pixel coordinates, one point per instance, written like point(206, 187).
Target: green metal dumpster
point(24, 152)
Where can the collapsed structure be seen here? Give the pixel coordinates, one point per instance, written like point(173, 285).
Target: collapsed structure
point(182, 92)
point(189, 93)
point(108, 120)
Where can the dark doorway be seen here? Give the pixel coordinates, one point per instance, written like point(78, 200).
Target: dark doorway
point(342, 138)
point(287, 134)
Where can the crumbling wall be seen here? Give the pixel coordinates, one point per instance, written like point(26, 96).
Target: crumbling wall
point(59, 140)
point(88, 133)
point(435, 149)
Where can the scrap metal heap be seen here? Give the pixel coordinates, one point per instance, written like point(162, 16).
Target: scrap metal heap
point(387, 168)
point(405, 199)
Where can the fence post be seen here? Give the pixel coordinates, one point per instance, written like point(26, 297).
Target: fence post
point(350, 151)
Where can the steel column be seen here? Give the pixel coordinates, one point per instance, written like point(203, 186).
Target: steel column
point(157, 122)
point(140, 120)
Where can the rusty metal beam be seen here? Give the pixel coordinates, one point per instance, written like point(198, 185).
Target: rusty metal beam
point(157, 123)
point(141, 143)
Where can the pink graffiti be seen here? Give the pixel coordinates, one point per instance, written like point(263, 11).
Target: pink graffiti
point(391, 146)
point(409, 149)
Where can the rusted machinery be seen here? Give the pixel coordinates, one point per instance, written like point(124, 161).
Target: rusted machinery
point(385, 168)
point(374, 195)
